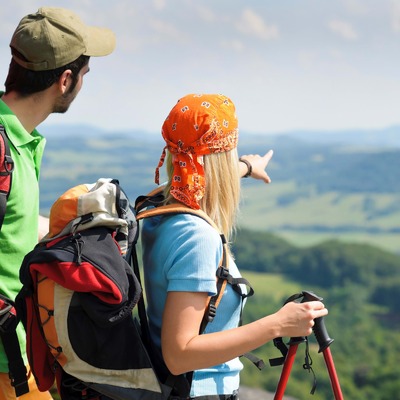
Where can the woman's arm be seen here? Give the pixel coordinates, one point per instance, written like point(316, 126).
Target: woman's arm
point(258, 165)
point(184, 349)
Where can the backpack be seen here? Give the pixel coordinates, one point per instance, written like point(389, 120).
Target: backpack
point(8, 315)
point(82, 303)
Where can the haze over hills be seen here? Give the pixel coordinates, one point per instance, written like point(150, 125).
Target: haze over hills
point(385, 137)
point(325, 185)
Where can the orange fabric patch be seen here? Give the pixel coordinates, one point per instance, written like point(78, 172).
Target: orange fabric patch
point(45, 293)
point(65, 209)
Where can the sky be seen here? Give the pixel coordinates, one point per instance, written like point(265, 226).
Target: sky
point(286, 64)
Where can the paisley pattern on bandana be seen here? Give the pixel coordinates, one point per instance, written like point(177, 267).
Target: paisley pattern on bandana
point(199, 124)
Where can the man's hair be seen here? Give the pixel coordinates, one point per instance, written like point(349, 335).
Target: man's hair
point(27, 82)
point(222, 192)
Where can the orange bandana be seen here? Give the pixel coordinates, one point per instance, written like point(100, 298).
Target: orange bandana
point(199, 124)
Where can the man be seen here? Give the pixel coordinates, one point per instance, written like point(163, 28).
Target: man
point(50, 56)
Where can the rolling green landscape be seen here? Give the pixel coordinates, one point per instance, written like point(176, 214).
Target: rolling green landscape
point(329, 222)
point(319, 190)
point(360, 286)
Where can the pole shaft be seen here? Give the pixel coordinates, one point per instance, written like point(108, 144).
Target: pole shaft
point(332, 374)
point(287, 367)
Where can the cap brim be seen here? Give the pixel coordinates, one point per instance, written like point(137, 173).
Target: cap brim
point(99, 41)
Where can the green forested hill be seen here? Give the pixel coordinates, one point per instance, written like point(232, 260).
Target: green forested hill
point(360, 285)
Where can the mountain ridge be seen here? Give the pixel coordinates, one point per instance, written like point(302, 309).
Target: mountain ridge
point(383, 137)
point(319, 190)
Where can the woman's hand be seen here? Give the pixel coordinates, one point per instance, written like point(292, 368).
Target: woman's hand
point(258, 164)
point(297, 319)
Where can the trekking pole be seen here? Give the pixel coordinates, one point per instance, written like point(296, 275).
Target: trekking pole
point(324, 341)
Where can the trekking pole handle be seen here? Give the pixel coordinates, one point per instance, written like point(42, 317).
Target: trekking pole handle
point(319, 328)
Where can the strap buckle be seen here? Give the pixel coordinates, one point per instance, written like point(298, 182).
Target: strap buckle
point(212, 312)
point(8, 164)
point(222, 273)
point(8, 317)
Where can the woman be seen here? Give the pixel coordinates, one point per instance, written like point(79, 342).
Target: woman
point(181, 252)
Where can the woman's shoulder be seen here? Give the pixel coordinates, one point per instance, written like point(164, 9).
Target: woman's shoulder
point(188, 223)
point(181, 227)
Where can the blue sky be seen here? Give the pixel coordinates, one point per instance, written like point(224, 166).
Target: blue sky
point(287, 64)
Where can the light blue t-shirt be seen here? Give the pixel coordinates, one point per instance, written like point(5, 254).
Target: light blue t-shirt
point(181, 253)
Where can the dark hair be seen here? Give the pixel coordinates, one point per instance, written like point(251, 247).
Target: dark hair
point(27, 82)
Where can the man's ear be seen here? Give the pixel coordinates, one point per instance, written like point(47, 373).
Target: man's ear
point(65, 81)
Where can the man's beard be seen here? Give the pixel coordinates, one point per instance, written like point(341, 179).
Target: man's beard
point(62, 104)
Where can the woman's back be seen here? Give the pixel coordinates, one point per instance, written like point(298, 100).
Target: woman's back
point(181, 253)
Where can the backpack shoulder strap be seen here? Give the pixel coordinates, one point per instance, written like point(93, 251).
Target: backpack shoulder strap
point(6, 168)
point(8, 316)
point(154, 199)
point(8, 335)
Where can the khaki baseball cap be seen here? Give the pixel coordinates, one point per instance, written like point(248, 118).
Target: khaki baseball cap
point(54, 37)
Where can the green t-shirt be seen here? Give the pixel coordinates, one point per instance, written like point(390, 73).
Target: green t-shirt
point(19, 232)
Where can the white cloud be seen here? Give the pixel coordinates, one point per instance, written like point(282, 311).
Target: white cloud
point(252, 24)
point(165, 28)
point(357, 7)
point(395, 8)
point(307, 59)
point(343, 29)
point(159, 4)
point(204, 13)
point(235, 45)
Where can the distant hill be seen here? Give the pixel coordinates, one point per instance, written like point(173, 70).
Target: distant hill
point(325, 185)
point(378, 138)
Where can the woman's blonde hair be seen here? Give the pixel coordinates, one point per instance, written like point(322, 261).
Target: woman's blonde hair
point(222, 191)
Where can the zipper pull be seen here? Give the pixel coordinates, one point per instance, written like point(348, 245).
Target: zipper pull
point(79, 247)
